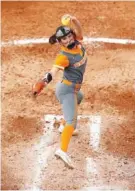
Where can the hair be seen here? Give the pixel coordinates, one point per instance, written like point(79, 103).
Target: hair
point(53, 39)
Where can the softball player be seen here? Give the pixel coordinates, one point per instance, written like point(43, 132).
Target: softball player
point(72, 60)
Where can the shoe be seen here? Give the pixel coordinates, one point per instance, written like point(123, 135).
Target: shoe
point(75, 132)
point(64, 157)
point(62, 125)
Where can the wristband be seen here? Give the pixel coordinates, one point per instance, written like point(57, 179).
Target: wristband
point(47, 78)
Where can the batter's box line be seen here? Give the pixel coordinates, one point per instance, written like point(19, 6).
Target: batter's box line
point(94, 126)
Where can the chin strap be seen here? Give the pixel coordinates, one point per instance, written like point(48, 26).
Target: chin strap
point(47, 78)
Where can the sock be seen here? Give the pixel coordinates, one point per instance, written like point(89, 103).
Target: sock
point(66, 136)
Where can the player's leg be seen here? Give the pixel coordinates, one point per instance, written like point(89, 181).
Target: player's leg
point(79, 97)
point(62, 123)
point(69, 106)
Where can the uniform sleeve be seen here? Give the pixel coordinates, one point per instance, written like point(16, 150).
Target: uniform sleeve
point(61, 62)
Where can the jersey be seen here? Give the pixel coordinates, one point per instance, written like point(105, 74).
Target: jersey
point(73, 62)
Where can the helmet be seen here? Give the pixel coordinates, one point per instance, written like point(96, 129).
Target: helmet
point(63, 31)
point(60, 33)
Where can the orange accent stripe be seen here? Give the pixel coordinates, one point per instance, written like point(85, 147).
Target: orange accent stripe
point(67, 82)
point(76, 50)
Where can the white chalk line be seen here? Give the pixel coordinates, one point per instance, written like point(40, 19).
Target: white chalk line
point(43, 152)
point(42, 156)
point(45, 40)
point(94, 126)
point(95, 131)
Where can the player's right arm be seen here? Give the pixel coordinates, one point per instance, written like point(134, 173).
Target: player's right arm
point(60, 63)
point(78, 28)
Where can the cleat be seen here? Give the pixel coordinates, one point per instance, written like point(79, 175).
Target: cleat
point(61, 127)
point(64, 157)
point(75, 133)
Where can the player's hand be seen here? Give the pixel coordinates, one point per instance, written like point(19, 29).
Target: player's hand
point(38, 87)
point(67, 19)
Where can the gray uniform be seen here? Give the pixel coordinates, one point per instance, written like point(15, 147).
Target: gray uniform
point(68, 95)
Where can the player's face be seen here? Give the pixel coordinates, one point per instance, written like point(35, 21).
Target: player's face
point(67, 40)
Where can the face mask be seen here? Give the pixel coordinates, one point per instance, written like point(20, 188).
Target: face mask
point(72, 45)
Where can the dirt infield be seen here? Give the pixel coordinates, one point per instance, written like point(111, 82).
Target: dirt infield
point(27, 160)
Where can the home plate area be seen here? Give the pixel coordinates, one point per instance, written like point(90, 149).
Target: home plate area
point(95, 169)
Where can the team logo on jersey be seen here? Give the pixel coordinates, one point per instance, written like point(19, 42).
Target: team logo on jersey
point(81, 62)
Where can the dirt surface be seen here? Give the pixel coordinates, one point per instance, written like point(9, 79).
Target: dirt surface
point(28, 144)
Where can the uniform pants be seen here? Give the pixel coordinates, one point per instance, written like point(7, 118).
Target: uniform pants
point(69, 97)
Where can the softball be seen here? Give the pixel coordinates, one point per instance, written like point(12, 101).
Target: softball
point(65, 20)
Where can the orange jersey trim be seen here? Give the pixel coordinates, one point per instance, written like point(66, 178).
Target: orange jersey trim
point(61, 61)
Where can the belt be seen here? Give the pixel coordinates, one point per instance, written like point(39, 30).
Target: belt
point(77, 86)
